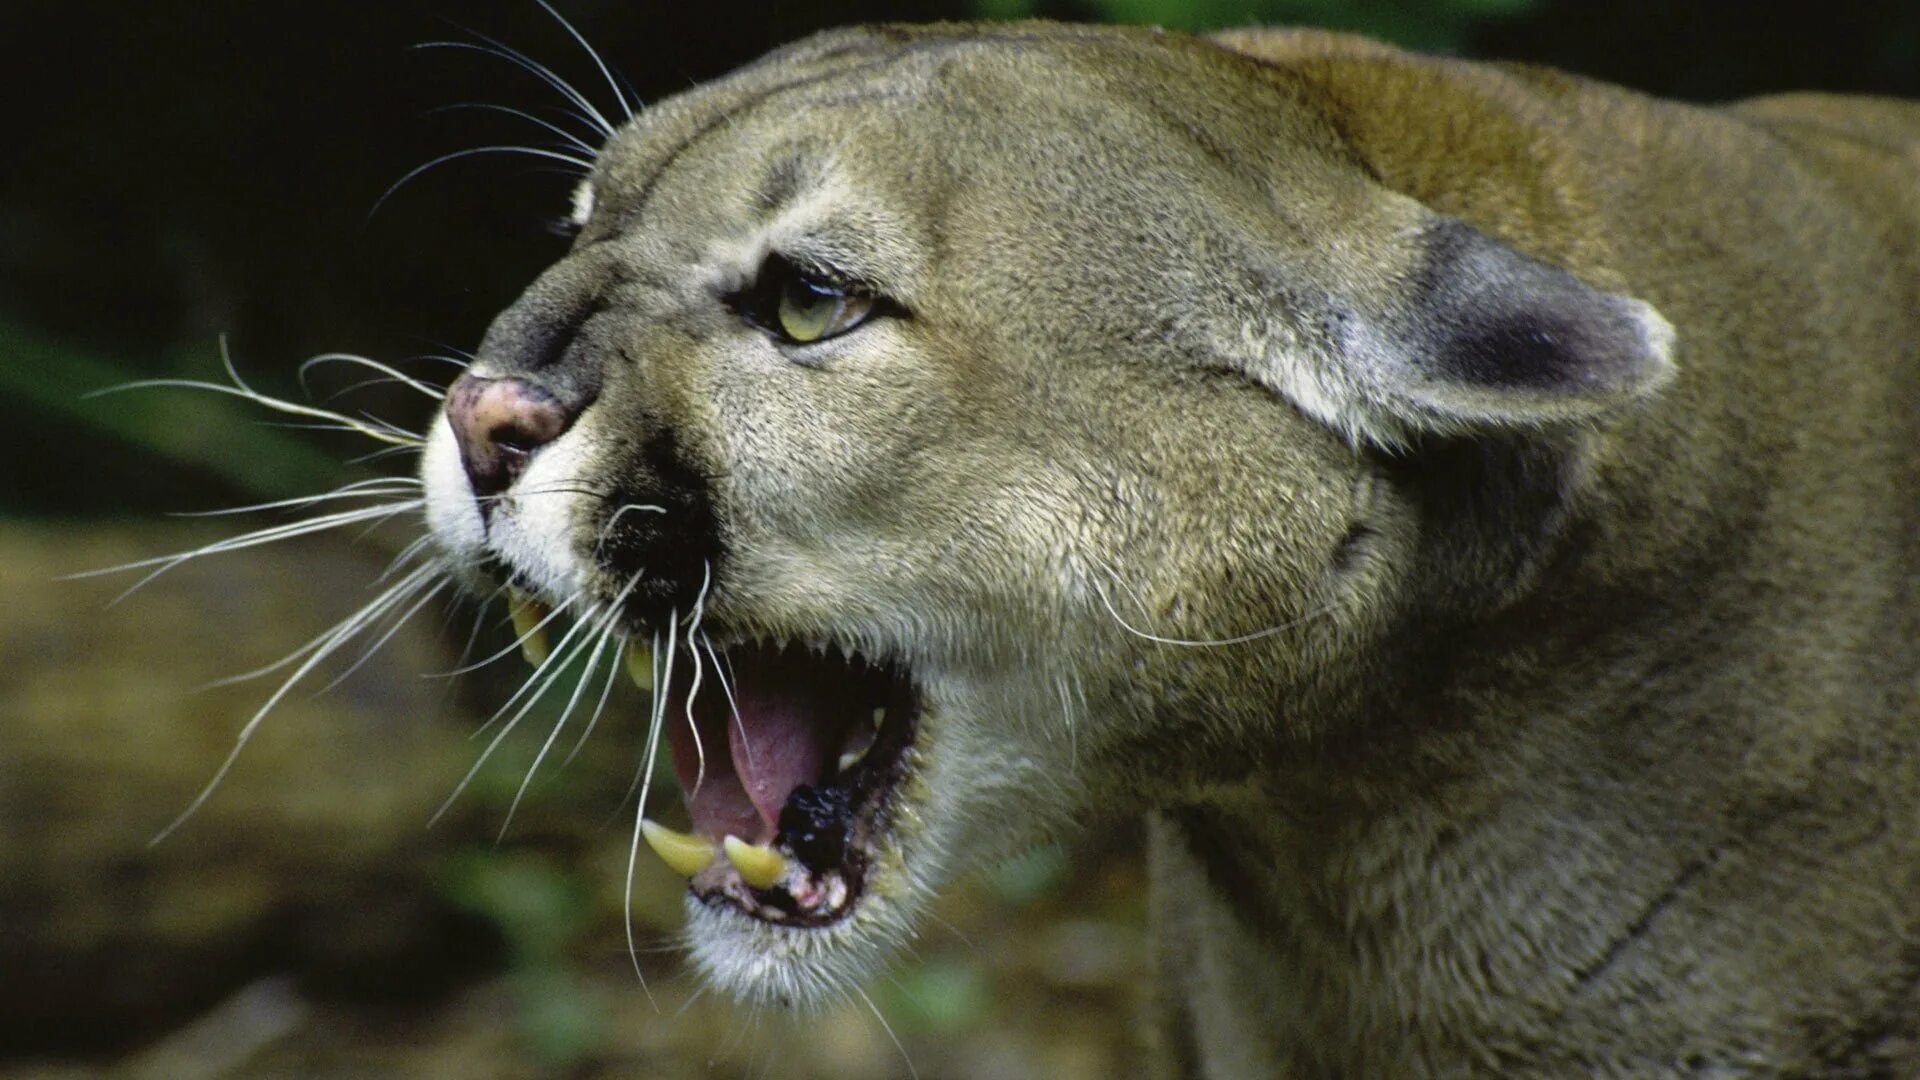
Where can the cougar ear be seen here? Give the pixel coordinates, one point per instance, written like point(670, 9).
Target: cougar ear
point(1491, 337)
point(1476, 336)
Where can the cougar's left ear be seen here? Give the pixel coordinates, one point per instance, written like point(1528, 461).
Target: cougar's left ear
point(1474, 335)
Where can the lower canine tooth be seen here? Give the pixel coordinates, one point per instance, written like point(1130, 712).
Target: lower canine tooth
point(640, 665)
point(529, 624)
point(758, 866)
point(684, 855)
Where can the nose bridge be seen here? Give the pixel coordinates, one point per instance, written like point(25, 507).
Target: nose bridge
point(537, 337)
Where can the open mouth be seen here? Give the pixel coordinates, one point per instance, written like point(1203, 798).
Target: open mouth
point(788, 757)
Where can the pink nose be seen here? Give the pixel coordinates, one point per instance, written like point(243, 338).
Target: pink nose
point(499, 423)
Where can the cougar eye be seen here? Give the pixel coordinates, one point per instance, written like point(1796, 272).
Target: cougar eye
point(800, 305)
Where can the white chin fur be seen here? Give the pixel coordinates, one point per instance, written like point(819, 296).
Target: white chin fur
point(759, 963)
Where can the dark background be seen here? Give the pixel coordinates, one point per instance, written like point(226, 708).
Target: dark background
point(176, 173)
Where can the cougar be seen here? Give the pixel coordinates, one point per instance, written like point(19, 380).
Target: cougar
point(1470, 511)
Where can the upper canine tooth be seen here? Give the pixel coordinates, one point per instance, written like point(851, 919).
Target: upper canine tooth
point(684, 854)
point(529, 624)
point(640, 664)
point(758, 866)
point(879, 716)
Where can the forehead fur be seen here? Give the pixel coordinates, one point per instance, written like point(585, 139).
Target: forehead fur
point(956, 93)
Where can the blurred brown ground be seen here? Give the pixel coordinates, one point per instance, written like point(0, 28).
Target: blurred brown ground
point(306, 922)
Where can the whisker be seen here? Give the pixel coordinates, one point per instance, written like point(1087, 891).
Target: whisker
point(544, 676)
point(572, 140)
point(1238, 639)
point(402, 440)
point(382, 454)
point(548, 668)
point(359, 489)
point(585, 166)
point(431, 392)
point(606, 691)
point(296, 654)
point(511, 648)
point(385, 636)
point(272, 534)
point(341, 633)
point(569, 488)
point(905, 1058)
point(607, 529)
point(608, 627)
point(500, 51)
point(693, 688)
point(580, 685)
point(726, 687)
point(618, 97)
point(240, 389)
point(646, 784)
point(419, 544)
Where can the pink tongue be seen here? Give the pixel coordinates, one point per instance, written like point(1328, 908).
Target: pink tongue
point(789, 713)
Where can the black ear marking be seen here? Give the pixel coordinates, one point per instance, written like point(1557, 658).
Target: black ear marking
point(1490, 336)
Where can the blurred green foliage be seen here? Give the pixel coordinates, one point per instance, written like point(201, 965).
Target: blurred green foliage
point(219, 435)
point(541, 911)
point(1421, 24)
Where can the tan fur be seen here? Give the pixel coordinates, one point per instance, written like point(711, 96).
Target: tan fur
point(1546, 700)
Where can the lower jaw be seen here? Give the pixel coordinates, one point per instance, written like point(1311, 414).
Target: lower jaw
point(814, 870)
point(830, 834)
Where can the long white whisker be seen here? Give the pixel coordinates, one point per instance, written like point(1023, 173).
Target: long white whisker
point(378, 487)
point(391, 372)
point(608, 626)
point(381, 454)
point(726, 687)
point(240, 389)
point(661, 678)
point(385, 636)
point(547, 669)
point(515, 646)
point(693, 688)
point(544, 677)
point(573, 700)
point(581, 164)
point(341, 633)
point(1202, 643)
point(606, 691)
point(401, 438)
point(607, 529)
point(420, 543)
point(905, 1058)
point(572, 140)
point(501, 51)
point(310, 645)
point(341, 519)
point(618, 97)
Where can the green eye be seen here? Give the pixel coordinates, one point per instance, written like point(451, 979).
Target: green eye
point(800, 306)
point(811, 310)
